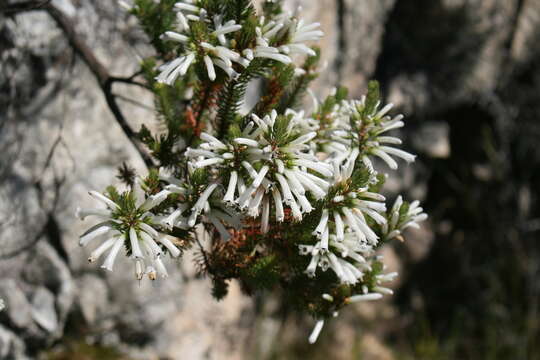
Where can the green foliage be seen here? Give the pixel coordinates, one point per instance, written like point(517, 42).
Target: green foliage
point(238, 10)
point(282, 76)
point(272, 8)
point(369, 280)
point(199, 31)
point(79, 349)
point(113, 194)
point(262, 274)
point(151, 184)
point(377, 186)
point(156, 18)
point(372, 99)
point(199, 177)
point(171, 106)
point(361, 176)
point(297, 88)
point(126, 174)
point(220, 288)
point(325, 109)
point(279, 134)
point(365, 114)
point(234, 131)
point(246, 38)
point(233, 93)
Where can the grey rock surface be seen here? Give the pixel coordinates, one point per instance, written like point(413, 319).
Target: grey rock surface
point(43, 311)
point(11, 346)
point(18, 311)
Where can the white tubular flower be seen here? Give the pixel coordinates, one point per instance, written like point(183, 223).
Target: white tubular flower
point(175, 68)
point(185, 10)
point(222, 218)
point(174, 36)
point(128, 6)
point(399, 220)
point(269, 52)
point(300, 33)
point(222, 29)
point(201, 203)
point(297, 33)
point(187, 5)
point(223, 58)
point(127, 224)
point(304, 123)
point(214, 53)
point(316, 331)
point(2, 304)
point(96, 231)
point(378, 290)
point(364, 297)
point(263, 48)
point(345, 258)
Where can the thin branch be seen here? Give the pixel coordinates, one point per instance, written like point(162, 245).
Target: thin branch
point(204, 254)
point(204, 102)
point(23, 6)
point(134, 102)
point(130, 81)
point(101, 74)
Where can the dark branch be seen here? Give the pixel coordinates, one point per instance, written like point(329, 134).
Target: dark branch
point(134, 102)
point(23, 6)
point(129, 80)
point(101, 74)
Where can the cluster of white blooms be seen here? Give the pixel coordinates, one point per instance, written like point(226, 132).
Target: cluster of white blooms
point(270, 168)
point(2, 305)
point(346, 241)
point(275, 147)
point(376, 294)
point(129, 224)
point(297, 33)
point(218, 54)
point(213, 211)
point(399, 221)
point(218, 50)
point(343, 231)
point(369, 132)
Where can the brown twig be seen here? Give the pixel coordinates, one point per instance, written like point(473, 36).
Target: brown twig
point(195, 114)
point(101, 74)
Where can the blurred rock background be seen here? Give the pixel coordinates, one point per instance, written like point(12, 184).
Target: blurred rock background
point(465, 72)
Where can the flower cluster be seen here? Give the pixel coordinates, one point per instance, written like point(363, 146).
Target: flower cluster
point(276, 39)
point(343, 231)
point(284, 197)
point(127, 222)
point(401, 217)
point(198, 202)
point(365, 295)
point(267, 165)
point(357, 123)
